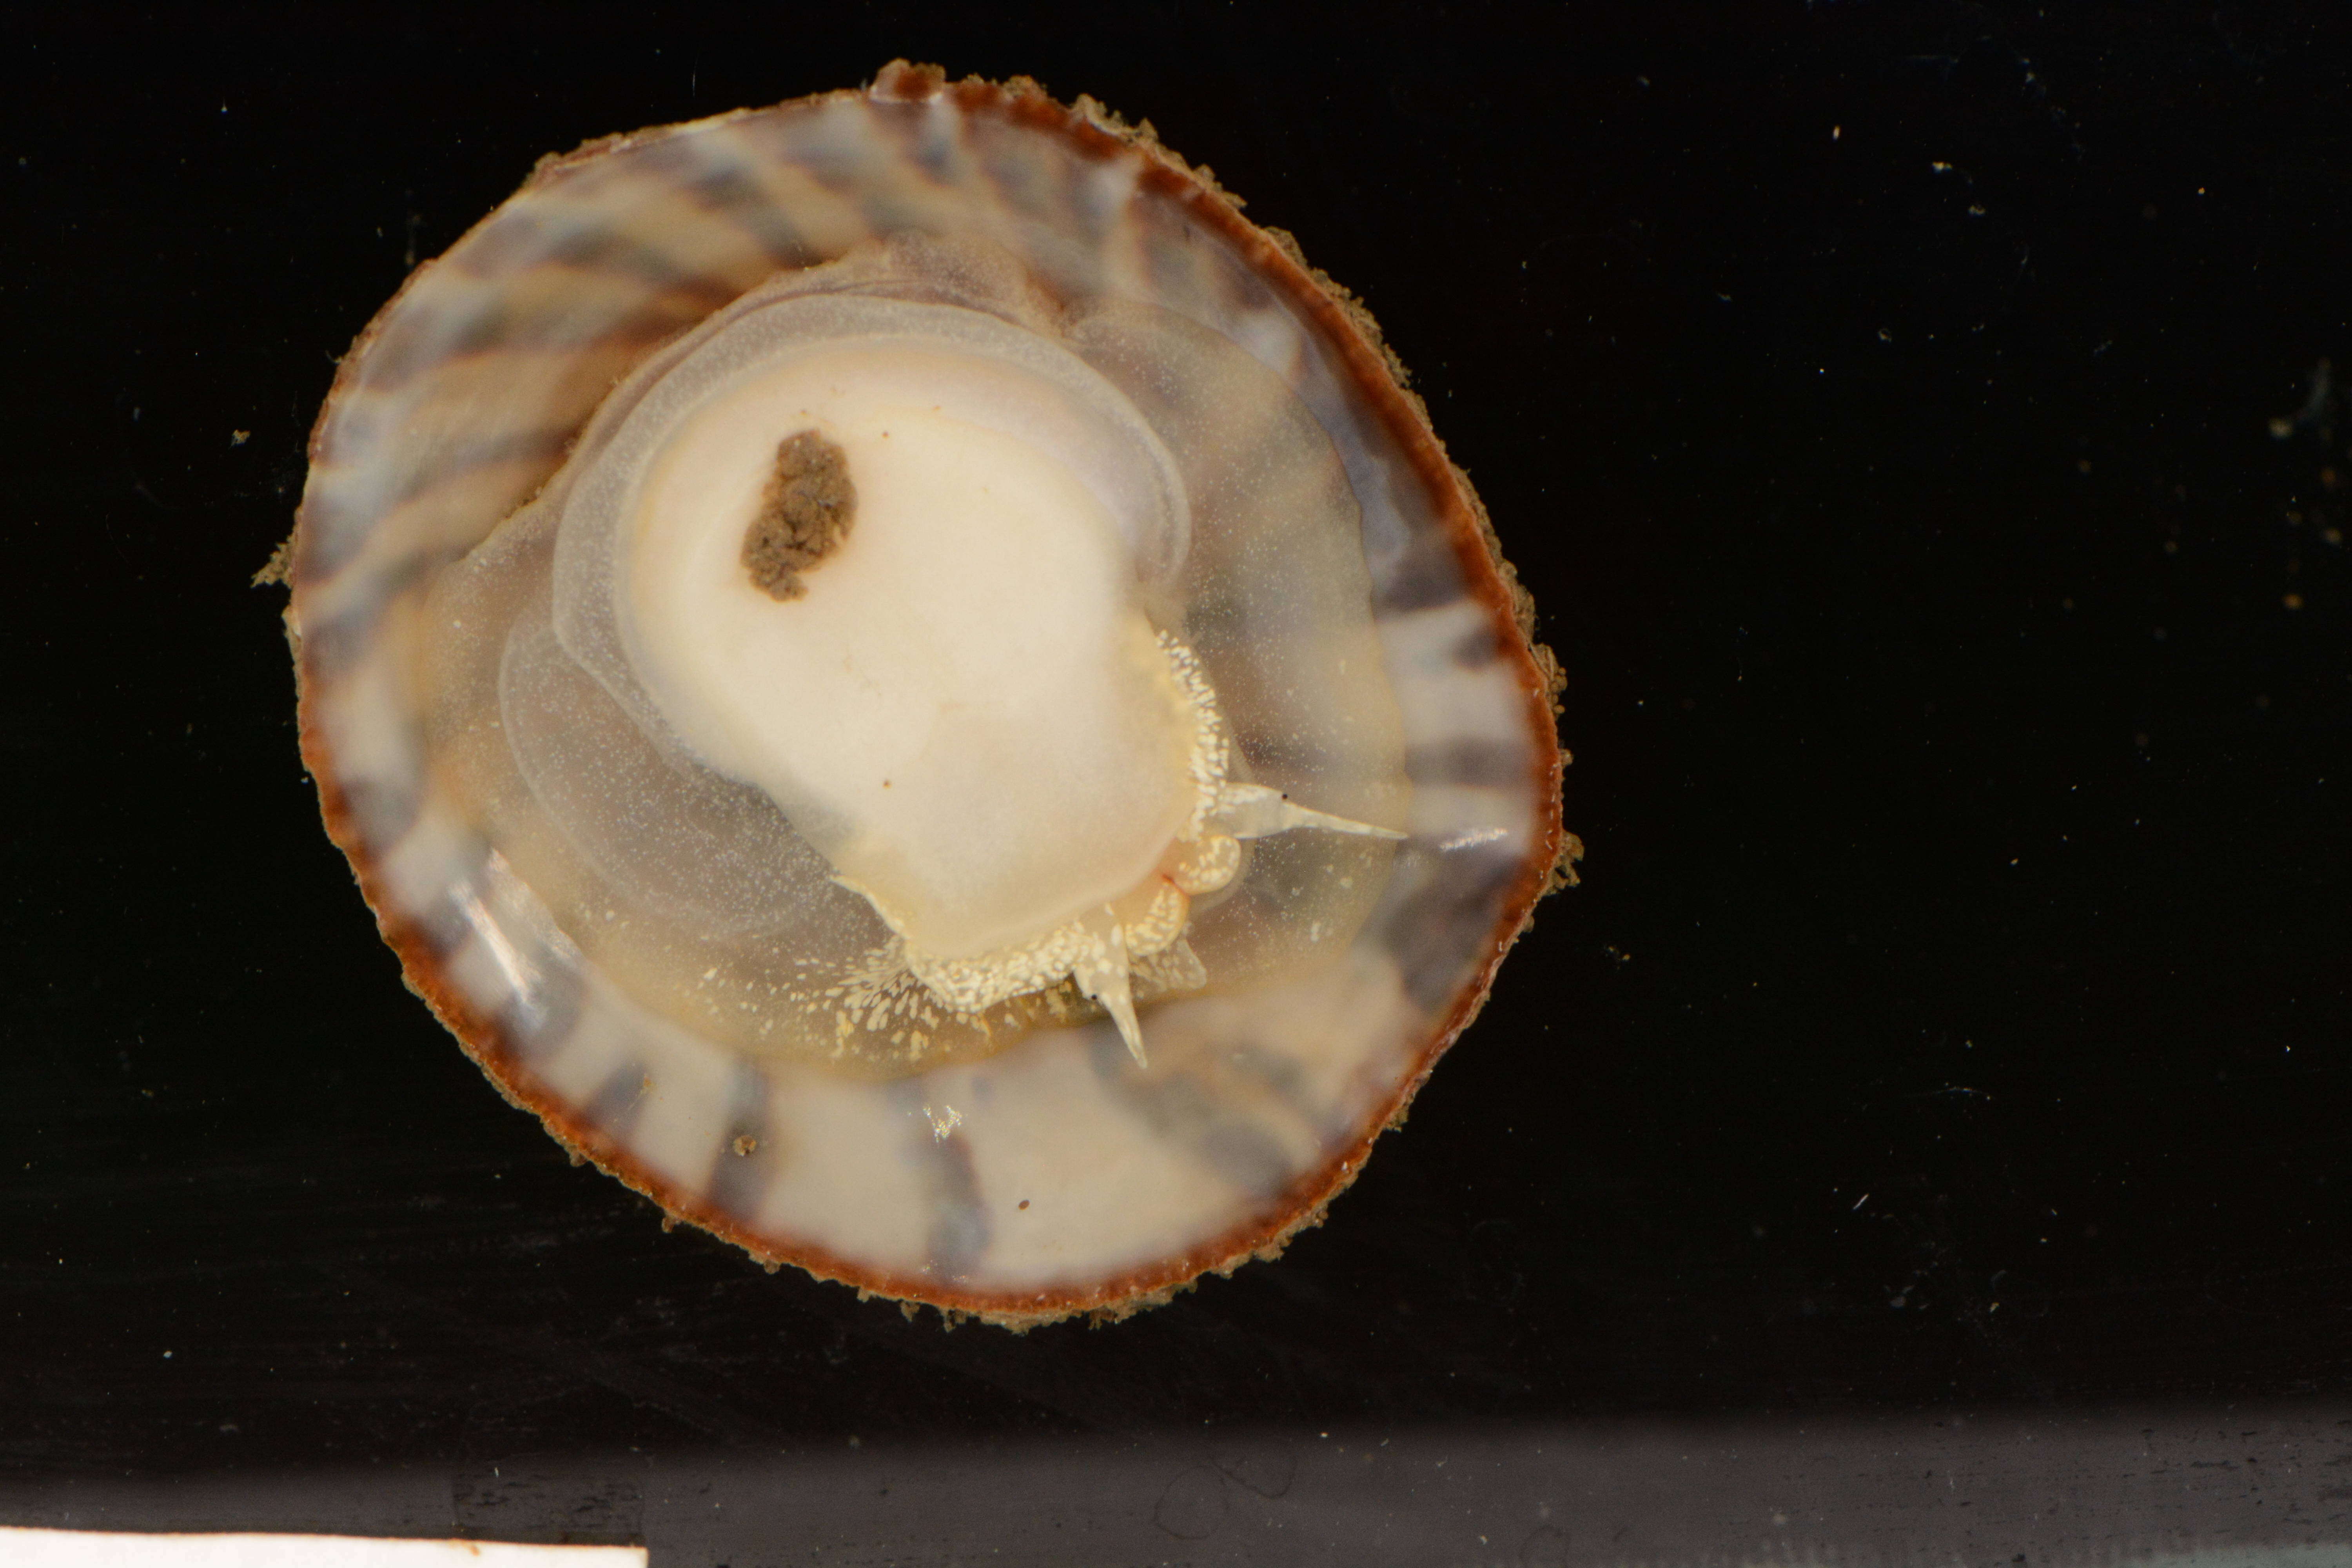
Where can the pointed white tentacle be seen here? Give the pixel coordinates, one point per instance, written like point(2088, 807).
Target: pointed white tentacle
point(1253, 811)
point(1103, 976)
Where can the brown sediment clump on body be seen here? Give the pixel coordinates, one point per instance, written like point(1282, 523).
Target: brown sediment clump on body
point(804, 515)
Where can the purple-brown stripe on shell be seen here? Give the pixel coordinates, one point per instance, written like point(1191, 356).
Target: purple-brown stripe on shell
point(460, 401)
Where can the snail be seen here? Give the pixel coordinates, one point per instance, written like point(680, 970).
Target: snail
point(920, 690)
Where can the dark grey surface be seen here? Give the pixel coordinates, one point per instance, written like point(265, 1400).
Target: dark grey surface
point(2226, 1487)
point(1877, 400)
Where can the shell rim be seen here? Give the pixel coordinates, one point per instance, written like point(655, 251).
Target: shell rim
point(1378, 377)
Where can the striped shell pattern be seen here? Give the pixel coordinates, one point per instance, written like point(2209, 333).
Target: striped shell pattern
point(1054, 1176)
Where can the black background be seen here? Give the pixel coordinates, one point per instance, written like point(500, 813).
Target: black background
point(1878, 401)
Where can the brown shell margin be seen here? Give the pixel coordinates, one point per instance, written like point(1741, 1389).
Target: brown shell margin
point(1381, 378)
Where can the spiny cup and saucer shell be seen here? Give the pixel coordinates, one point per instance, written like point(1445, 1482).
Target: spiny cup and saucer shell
point(1054, 1176)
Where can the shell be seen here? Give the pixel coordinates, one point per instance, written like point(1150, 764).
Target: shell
point(1053, 1176)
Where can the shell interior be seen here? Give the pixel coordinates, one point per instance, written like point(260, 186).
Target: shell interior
point(1045, 888)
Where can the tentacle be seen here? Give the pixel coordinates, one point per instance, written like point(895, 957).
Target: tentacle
point(1253, 811)
point(1103, 975)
